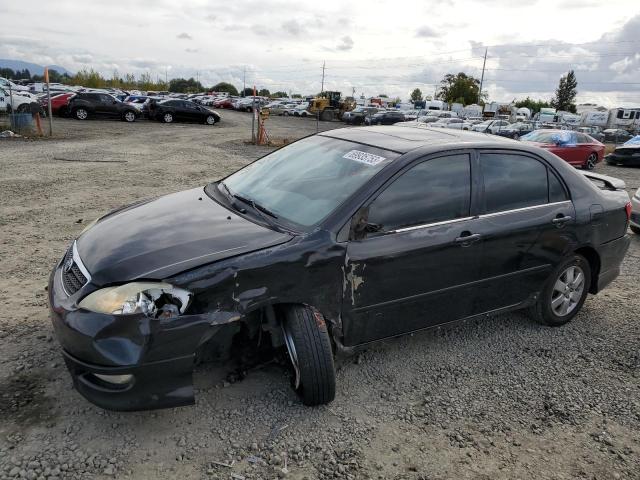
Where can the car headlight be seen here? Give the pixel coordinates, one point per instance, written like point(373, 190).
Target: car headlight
point(154, 299)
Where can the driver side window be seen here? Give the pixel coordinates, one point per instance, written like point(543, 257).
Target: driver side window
point(433, 191)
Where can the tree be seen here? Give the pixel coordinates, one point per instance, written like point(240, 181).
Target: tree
point(460, 88)
point(225, 87)
point(279, 95)
point(566, 93)
point(296, 95)
point(416, 95)
point(533, 105)
point(247, 92)
point(263, 92)
point(182, 85)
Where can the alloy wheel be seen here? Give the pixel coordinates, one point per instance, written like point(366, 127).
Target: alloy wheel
point(211, 120)
point(81, 114)
point(168, 118)
point(591, 161)
point(567, 291)
point(130, 116)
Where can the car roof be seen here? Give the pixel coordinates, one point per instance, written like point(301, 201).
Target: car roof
point(405, 138)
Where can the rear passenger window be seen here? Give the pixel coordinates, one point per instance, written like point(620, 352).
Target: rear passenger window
point(513, 181)
point(432, 191)
point(557, 192)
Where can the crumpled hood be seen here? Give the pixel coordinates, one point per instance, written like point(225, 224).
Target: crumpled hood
point(168, 235)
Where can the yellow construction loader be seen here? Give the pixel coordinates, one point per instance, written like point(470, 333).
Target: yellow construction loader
point(330, 106)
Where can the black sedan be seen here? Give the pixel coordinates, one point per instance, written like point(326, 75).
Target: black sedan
point(384, 118)
point(330, 243)
point(169, 111)
point(516, 130)
point(627, 154)
point(84, 105)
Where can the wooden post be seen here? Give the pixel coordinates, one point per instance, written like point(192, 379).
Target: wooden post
point(46, 79)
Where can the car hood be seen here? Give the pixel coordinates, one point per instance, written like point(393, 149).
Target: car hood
point(168, 235)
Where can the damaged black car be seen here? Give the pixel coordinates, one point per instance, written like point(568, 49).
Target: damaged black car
point(340, 239)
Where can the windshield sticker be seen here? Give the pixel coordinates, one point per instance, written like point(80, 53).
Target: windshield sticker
point(364, 157)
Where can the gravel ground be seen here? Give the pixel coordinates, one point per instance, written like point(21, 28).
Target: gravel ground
point(499, 398)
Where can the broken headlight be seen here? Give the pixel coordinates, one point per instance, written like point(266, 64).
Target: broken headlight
point(156, 300)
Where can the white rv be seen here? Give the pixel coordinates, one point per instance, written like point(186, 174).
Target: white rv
point(625, 118)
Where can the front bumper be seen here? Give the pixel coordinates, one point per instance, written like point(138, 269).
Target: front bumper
point(617, 159)
point(158, 354)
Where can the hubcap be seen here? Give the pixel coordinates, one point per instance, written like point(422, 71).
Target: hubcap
point(291, 348)
point(168, 118)
point(130, 116)
point(567, 291)
point(211, 120)
point(82, 114)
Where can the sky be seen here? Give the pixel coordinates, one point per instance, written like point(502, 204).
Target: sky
point(369, 47)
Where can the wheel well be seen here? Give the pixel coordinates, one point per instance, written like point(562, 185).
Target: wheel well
point(594, 263)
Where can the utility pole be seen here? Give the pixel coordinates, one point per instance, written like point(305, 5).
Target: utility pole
point(322, 88)
point(321, 92)
point(166, 74)
point(482, 77)
point(244, 76)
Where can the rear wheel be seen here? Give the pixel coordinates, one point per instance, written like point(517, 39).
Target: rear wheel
point(516, 136)
point(590, 164)
point(309, 347)
point(167, 117)
point(81, 113)
point(285, 114)
point(564, 293)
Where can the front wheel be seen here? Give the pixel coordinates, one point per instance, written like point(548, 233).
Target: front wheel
point(167, 118)
point(210, 120)
point(285, 114)
point(129, 116)
point(516, 136)
point(564, 293)
point(307, 340)
point(590, 164)
point(81, 114)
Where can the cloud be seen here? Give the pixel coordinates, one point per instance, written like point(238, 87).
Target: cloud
point(191, 50)
point(346, 44)
point(184, 36)
point(211, 17)
point(292, 27)
point(426, 32)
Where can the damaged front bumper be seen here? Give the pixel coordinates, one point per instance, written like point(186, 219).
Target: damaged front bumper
point(129, 362)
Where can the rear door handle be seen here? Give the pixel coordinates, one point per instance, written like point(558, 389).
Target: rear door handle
point(561, 220)
point(466, 240)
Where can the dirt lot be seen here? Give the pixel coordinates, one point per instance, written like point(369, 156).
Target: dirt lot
point(500, 398)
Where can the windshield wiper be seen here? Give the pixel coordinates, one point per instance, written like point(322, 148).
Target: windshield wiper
point(262, 211)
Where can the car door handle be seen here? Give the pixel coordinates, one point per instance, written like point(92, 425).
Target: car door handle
point(467, 238)
point(561, 220)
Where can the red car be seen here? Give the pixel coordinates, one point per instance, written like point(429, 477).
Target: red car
point(59, 103)
point(225, 103)
point(577, 149)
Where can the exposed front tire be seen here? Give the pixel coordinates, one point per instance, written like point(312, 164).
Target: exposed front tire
point(309, 347)
point(590, 164)
point(564, 293)
point(81, 114)
point(210, 120)
point(167, 117)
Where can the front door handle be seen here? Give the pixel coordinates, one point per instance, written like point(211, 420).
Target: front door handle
point(467, 238)
point(560, 221)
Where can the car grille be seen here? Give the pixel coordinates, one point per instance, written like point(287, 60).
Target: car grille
point(72, 277)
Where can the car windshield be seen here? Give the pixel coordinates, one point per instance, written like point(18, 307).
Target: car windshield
point(304, 182)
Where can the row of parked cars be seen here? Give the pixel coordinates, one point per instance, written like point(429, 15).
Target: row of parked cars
point(95, 103)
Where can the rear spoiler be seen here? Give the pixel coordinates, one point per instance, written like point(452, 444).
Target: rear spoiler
point(610, 183)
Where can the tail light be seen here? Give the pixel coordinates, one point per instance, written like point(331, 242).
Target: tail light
point(627, 209)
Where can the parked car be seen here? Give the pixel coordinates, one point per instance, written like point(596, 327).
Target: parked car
point(516, 130)
point(358, 115)
point(454, 123)
point(224, 103)
point(84, 105)
point(388, 117)
point(300, 110)
point(169, 111)
point(490, 126)
point(575, 148)
point(593, 132)
point(9, 85)
point(59, 103)
point(627, 154)
point(11, 102)
point(616, 135)
point(379, 236)
point(281, 109)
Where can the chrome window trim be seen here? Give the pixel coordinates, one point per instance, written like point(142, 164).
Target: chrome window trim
point(521, 209)
point(484, 215)
point(427, 225)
